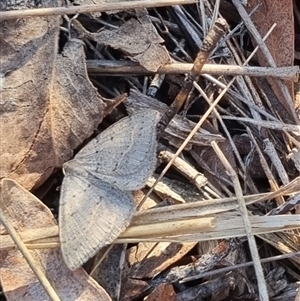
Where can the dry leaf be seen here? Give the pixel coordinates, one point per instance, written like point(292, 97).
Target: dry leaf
point(26, 212)
point(48, 105)
point(134, 288)
point(139, 41)
point(280, 42)
point(149, 259)
point(163, 292)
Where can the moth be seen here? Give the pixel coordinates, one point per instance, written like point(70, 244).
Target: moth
point(96, 204)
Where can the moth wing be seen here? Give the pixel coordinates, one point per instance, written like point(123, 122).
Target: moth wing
point(124, 154)
point(92, 214)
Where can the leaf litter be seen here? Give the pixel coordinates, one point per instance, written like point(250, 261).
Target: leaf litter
point(264, 158)
point(26, 212)
point(48, 102)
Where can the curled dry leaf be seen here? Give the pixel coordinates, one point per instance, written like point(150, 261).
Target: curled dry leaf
point(139, 41)
point(26, 212)
point(48, 105)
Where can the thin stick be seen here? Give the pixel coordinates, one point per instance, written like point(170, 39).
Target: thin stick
point(117, 68)
point(73, 10)
point(265, 167)
point(209, 43)
point(268, 124)
point(239, 266)
point(195, 177)
point(261, 282)
point(22, 247)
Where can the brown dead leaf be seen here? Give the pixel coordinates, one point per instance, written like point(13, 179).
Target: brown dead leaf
point(139, 41)
point(133, 289)
point(149, 259)
point(48, 105)
point(280, 42)
point(163, 292)
point(26, 212)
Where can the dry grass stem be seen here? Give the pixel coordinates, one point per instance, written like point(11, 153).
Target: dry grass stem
point(17, 240)
point(263, 292)
point(73, 10)
point(191, 229)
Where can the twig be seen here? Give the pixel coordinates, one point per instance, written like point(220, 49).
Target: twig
point(294, 155)
point(73, 10)
point(276, 161)
point(216, 113)
point(295, 129)
point(262, 286)
point(208, 45)
point(297, 298)
point(30, 260)
point(117, 68)
point(189, 28)
point(238, 266)
point(290, 204)
point(265, 167)
point(195, 177)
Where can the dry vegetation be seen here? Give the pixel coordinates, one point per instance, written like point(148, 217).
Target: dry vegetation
point(224, 219)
